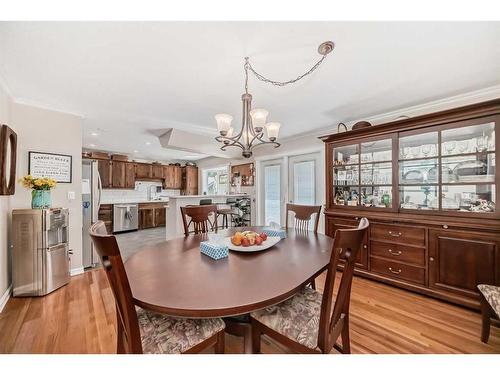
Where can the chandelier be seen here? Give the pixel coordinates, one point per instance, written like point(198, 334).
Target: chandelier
point(254, 121)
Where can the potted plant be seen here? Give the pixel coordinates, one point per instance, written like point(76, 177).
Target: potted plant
point(40, 193)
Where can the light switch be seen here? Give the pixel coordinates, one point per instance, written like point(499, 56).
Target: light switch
point(71, 195)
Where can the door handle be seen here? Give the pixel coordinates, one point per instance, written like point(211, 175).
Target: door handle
point(395, 234)
point(395, 272)
point(395, 253)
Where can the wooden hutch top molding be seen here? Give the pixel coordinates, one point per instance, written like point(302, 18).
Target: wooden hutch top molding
point(491, 107)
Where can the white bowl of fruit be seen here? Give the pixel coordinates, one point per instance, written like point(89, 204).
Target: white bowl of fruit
point(249, 241)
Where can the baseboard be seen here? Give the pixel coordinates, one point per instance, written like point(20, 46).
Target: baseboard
point(5, 297)
point(76, 271)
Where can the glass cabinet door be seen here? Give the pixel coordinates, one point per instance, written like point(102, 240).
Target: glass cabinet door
point(362, 174)
point(468, 168)
point(451, 169)
point(419, 171)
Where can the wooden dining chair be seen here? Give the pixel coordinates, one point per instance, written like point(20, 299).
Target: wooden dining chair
point(303, 216)
point(199, 218)
point(305, 322)
point(143, 331)
point(490, 308)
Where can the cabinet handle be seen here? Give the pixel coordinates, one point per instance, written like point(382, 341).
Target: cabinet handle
point(445, 226)
point(356, 218)
point(394, 234)
point(395, 253)
point(396, 272)
point(431, 259)
point(365, 247)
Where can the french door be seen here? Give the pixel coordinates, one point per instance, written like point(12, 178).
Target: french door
point(272, 194)
point(295, 179)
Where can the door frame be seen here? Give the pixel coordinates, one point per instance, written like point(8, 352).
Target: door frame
point(282, 162)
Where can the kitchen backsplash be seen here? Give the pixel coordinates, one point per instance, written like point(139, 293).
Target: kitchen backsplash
point(140, 193)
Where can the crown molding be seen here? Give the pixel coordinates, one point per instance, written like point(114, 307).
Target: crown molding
point(477, 96)
point(34, 103)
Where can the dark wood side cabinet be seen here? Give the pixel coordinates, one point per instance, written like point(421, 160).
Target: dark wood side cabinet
point(429, 186)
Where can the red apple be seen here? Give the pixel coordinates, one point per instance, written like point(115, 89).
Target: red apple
point(245, 242)
point(258, 241)
point(263, 236)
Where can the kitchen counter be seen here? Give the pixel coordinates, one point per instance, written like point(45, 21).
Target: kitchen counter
point(129, 201)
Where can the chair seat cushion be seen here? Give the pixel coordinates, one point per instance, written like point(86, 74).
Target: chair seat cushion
point(163, 334)
point(296, 318)
point(492, 295)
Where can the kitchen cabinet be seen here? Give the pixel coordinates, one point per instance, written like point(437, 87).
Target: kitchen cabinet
point(159, 214)
point(189, 180)
point(123, 175)
point(168, 177)
point(152, 215)
point(146, 218)
point(428, 186)
point(177, 177)
point(143, 170)
point(105, 214)
point(104, 168)
point(459, 261)
point(157, 171)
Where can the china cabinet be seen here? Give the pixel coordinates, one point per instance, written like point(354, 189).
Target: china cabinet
point(428, 185)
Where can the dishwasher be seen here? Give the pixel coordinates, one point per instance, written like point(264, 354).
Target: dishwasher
point(125, 217)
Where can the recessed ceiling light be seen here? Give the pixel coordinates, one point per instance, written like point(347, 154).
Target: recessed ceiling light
point(91, 145)
point(94, 134)
point(148, 143)
point(135, 151)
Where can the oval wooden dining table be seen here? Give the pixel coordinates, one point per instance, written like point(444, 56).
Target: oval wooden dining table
point(173, 277)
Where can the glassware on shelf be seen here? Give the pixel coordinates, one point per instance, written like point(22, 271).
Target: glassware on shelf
point(469, 198)
point(426, 149)
point(418, 197)
point(415, 152)
point(463, 146)
point(481, 143)
point(449, 147)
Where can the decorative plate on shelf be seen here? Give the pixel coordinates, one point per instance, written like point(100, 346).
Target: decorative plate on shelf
point(269, 242)
point(413, 177)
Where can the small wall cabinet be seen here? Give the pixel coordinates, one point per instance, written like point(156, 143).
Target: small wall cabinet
point(151, 215)
point(189, 180)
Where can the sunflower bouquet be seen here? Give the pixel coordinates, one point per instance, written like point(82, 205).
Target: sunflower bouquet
point(38, 183)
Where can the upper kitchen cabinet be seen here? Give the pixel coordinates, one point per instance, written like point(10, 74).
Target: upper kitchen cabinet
point(157, 171)
point(104, 168)
point(172, 175)
point(189, 180)
point(143, 170)
point(123, 175)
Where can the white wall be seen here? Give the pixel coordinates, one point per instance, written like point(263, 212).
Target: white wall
point(40, 129)
point(5, 202)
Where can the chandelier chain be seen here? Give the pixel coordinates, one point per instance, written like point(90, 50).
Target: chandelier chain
point(259, 76)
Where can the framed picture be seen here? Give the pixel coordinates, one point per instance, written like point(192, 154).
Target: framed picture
point(222, 179)
point(56, 166)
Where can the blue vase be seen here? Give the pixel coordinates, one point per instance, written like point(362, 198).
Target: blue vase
point(40, 199)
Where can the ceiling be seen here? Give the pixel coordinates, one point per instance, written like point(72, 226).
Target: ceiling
point(133, 81)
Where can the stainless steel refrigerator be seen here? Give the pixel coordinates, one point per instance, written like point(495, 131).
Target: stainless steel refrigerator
point(40, 256)
point(91, 201)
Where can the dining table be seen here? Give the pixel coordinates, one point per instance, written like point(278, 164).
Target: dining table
point(175, 278)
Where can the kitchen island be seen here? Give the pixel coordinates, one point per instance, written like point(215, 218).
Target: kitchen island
point(173, 222)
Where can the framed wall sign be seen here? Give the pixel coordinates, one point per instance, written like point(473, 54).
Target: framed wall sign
point(56, 166)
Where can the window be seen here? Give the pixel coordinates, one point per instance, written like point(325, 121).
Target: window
point(215, 181)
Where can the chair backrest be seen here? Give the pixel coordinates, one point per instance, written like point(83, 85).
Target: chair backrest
point(205, 202)
point(129, 337)
point(303, 216)
point(346, 245)
point(198, 216)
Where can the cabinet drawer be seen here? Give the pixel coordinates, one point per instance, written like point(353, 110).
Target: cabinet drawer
point(398, 270)
point(398, 234)
point(399, 253)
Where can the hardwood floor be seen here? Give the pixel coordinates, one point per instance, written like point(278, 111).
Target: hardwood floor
point(80, 318)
